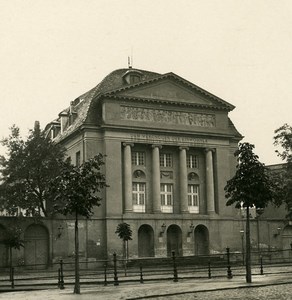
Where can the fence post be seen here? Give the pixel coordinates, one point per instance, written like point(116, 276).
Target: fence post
point(209, 269)
point(262, 270)
point(61, 275)
point(10, 273)
point(12, 277)
point(116, 280)
point(141, 275)
point(229, 272)
point(105, 275)
point(174, 267)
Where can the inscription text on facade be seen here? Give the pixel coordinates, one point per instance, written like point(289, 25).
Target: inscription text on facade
point(166, 116)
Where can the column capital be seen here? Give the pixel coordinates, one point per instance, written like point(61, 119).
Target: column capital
point(156, 146)
point(210, 149)
point(183, 148)
point(128, 144)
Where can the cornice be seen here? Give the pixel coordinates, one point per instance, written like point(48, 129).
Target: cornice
point(197, 134)
point(168, 102)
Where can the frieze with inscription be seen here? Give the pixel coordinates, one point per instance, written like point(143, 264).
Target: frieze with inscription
point(164, 139)
point(166, 116)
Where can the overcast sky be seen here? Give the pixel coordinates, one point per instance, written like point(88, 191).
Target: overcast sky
point(240, 50)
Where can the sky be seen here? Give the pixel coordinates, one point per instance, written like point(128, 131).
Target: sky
point(240, 50)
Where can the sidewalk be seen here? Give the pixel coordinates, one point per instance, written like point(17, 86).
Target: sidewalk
point(150, 290)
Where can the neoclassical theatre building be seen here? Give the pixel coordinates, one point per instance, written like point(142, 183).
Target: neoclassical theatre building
point(169, 148)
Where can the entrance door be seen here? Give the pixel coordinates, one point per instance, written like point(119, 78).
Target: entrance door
point(174, 240)
point(3, 248)
point(36, 247)
point(287, 241)
point(146, 241)
point(201, 240)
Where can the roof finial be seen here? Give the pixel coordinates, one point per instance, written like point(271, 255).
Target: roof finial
point(129, 63)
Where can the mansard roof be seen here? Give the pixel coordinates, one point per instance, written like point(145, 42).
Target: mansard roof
point(114, 85)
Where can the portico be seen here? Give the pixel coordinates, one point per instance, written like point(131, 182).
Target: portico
point(182, 182)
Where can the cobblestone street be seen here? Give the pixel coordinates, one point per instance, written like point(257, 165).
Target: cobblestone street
point(266, 287)
point(279, 292)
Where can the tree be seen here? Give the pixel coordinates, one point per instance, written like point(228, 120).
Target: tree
point(27, 172)
point(76, 192)
point(283, 178)
point(125, 233)
point(250, 186)
point(13, 241)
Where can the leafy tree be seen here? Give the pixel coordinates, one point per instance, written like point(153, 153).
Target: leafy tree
point(283, 178)
point(13, 241)
point(27, 171)
point(250, 186)
point(75, 193)
point(125, 233)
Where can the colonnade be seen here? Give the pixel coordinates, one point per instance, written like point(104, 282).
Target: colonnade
point(183, 179)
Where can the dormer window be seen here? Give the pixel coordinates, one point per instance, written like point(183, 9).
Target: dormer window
point(55, 129)
point(132, 76)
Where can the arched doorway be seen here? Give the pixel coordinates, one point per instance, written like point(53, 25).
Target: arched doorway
point(174, 240)
point(287, 241)
point(36, 247)
point(145, 241)
point(201, 235)
point(3, 248)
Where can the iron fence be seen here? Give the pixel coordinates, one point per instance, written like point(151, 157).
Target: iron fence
point(117, 270)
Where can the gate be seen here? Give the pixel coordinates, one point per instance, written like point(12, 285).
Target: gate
point(3, 248)
point(36, 247)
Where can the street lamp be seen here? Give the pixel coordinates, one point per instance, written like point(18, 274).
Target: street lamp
point(163, 227)
point(259, 212)
point(242, 245)
point(247, 246)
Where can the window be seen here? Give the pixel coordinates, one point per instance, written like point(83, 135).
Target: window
point(134, 78)
point(165, 160)
point(138, 158)
point(192, 161)
point(139, 193)
point(166, 198)
point(78, 157)
point(193, 198)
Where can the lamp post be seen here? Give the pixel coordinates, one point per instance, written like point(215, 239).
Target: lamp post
point(247, 248)
point(259, 212)
point(242, 245)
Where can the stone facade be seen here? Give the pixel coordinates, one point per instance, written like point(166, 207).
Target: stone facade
point(169, 149)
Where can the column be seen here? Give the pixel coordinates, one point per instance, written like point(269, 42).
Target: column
point(128, 177)
point(183, 179)
point(210, 181)
point(156, 179)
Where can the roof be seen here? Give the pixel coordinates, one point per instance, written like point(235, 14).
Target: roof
point(114, 83)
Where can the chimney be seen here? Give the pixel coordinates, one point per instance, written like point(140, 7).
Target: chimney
point(37, 127)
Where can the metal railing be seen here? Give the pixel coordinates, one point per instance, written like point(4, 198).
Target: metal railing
point(117, 270)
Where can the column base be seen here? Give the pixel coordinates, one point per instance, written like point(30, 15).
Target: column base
point(212, 213)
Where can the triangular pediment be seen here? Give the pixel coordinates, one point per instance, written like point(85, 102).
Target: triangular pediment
point(172, 89)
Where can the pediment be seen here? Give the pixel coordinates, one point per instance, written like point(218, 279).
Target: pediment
point(170, 89)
